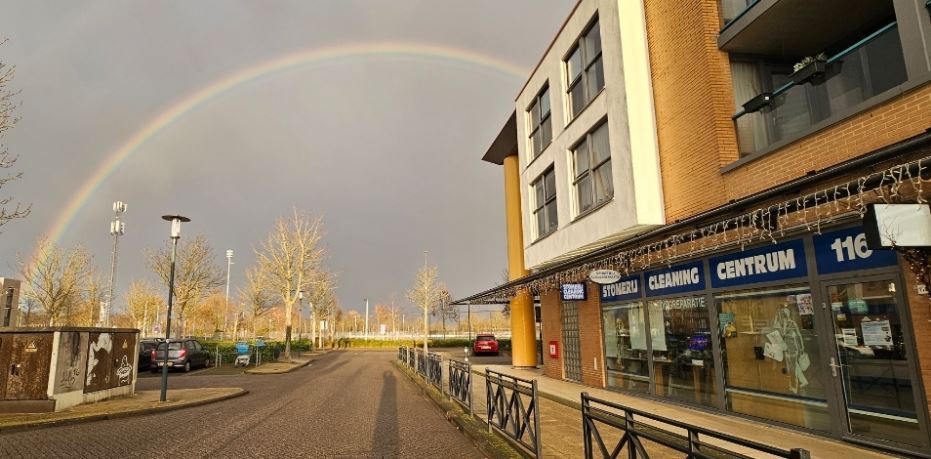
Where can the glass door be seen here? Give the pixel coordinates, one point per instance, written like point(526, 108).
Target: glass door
point(572, 360)
point(872, 366)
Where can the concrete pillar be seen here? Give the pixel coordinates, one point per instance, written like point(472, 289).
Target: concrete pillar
point(523, 325)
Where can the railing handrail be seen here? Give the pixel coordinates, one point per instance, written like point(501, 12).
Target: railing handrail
point(859, 44)
point(625, 421)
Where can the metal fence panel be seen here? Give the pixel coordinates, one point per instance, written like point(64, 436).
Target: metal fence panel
point(509, 411)
point(596, 412)
point(435, 370)
point(460, 382)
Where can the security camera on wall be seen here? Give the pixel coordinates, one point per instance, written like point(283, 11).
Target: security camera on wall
point(890, 226)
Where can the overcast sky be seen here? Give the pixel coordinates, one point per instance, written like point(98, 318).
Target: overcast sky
point(386, 148)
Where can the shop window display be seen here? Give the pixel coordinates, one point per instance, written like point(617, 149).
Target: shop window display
point(772, 361)
point(626, 355)
point(683, 362)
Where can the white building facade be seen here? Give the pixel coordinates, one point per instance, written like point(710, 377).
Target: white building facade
point(588, 154)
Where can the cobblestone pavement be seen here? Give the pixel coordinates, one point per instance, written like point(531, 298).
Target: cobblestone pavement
point(345, 404)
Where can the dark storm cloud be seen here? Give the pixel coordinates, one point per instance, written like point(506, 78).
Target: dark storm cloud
point(386, 148)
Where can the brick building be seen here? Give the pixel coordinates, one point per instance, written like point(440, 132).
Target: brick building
point(718, 156)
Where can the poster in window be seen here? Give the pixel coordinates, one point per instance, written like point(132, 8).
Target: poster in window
point(803, 302)
point(638, 339)
point(876, 333)
point(657, 327)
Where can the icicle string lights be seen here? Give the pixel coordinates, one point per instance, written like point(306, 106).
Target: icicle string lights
point(812, 210)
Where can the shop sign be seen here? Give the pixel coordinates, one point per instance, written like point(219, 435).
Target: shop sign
point(573, 292)
point(762, 264)
point(627, 288)
point(846, 250)
point(604, 276)
point(687, 277)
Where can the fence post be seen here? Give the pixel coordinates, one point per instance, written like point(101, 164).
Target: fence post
point(586, 434)
point(536, 421)
point(488, 401)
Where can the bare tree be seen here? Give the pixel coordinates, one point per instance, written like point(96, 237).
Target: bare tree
point(86, 309)
point(55, 279)
point(8, 210)
point(142, 303)
point(322, 298)
point(288, 261)
point(196, 273)
point(256, 298)
point(425, 293)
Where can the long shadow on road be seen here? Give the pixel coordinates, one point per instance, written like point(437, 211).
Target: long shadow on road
point(387, 439)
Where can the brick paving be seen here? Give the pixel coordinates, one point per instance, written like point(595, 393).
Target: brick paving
point(345, 404)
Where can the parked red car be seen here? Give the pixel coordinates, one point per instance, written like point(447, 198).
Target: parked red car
point(485, 344)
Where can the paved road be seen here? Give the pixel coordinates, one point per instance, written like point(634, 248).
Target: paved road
point(345, 404)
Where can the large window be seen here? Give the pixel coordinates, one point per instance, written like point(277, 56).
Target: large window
point(544, 206)
point(626, 356)
point(773, 366)
point(541, 127)
point(683, 362)
point(585, 70)
point(591, 160)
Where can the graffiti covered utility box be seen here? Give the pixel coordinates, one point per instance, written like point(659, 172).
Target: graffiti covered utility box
point(50, 369)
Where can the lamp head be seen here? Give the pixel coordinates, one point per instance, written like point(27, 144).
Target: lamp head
point(176, 221)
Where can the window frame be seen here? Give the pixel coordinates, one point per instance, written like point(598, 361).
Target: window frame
point(590, 171)
point(532, 128)
point(540, 209)
point(587, 62)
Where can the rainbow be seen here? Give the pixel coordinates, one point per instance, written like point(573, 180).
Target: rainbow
point(190, 102)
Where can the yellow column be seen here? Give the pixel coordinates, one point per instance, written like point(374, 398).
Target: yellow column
point(523, 326)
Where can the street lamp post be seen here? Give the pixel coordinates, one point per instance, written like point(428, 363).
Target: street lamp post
point(176, 221)
point(366, 319)
point(300, 314)
point(229, 262)
point(117, 228)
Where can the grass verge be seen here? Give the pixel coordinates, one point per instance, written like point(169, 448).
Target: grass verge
point(490, 444)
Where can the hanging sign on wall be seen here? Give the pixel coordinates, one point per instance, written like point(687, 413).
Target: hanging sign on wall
point(687, 277)
point(846, 250)
point(573, 292)
point(604, 276)
point(762, 264)
point(627, 288)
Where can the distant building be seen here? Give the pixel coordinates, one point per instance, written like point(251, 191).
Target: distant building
point(9, 302)
point(719, 155)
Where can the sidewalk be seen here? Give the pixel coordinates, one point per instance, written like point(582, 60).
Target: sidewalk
point(143, 402)
point(561, 420)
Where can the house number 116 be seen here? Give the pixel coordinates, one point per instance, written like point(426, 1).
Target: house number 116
point(852, 247)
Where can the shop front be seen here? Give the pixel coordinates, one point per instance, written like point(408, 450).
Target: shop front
point(811, 332)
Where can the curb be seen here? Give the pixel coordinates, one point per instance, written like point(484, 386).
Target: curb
point(467, 424)
point(119, 414)
point(278, 372)
point(295, 368)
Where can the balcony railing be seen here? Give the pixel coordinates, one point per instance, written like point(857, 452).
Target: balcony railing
point(843, 81)
point(731, 10)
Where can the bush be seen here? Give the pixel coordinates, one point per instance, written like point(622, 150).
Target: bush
point(271, 351)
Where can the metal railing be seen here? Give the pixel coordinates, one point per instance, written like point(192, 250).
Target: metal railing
point(789, 111)
point(460, 383)
point(597, 412)
point(435, 370)
point(402, 354)
point(509, 410)
point(421, 362)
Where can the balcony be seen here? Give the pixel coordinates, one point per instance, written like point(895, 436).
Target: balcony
point(787, 105)
point(789, 28)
